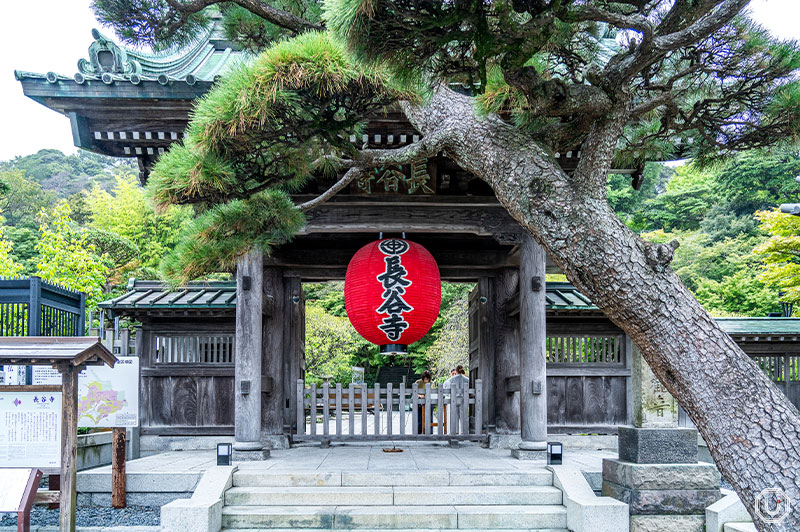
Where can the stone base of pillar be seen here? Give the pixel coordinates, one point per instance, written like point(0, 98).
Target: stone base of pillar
point(658, 445)
point(276, 441)
point(250, 456)
point(658, 477)
point(247, 445)
point(668, 523)
point(526, 454)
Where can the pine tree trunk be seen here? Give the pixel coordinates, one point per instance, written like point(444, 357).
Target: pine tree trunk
point(752, 430)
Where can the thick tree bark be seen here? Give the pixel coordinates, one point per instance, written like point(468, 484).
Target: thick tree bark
point(752, 430)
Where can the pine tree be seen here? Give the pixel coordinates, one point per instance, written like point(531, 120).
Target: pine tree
point(624, 82)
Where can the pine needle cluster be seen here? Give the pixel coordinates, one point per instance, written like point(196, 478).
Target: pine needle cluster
point(264, 131)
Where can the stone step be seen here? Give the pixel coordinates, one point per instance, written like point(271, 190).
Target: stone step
point(543, 517)
point(400, 495)
point(309, 496)
point(740, 527)
point(482, 495)
point(55, 529)
point(534, 477)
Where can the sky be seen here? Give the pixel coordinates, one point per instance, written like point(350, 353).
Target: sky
point(51, 35)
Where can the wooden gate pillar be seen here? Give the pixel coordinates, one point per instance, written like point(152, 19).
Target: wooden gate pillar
point(506, 352)
point(247, 369)
point(533, 362)
point(276, 321)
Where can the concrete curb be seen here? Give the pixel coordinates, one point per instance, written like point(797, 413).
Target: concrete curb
point(203, 512)
point(586, 512)
point(728, 509)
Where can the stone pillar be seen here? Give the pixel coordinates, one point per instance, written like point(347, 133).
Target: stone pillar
point(532, 361)
point(657, 473)
point(247, 369)
point(653, 406)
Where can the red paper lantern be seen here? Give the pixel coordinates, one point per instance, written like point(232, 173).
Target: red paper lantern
point(392, 293)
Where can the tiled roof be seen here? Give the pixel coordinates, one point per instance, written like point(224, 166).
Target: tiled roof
point(202, 61)
point(155, 295)
point(564, 296)
point(760, 326)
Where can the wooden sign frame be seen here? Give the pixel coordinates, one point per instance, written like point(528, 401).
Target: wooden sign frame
point(28, 497)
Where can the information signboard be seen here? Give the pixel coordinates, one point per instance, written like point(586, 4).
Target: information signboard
point(13, 483)
point(109, 397)
point(45, 375)
point(30, 429)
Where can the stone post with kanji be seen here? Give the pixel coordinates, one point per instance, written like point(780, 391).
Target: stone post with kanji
point(657, 473)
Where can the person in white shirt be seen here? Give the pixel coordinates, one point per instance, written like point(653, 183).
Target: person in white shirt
point(460, 378)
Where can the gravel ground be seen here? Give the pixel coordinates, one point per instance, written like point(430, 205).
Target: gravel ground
point(93, 516)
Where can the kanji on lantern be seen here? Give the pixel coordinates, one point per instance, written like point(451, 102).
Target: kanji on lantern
point(392, 292)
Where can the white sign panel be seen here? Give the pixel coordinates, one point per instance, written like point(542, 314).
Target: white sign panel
point(30, 429)
point(14, 375)
point(109, 397)
point(45, 375)
point(12, 487)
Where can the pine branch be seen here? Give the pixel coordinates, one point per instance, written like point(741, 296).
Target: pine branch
point(279, 17)
point(636, 22)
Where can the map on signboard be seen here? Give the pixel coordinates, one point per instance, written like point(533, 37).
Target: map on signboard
point(109, 397)
point(30, 429)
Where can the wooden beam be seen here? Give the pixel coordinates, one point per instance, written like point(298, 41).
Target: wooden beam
point(69, 447)
point(293, 256)
point(118, 468)
point(512, 384)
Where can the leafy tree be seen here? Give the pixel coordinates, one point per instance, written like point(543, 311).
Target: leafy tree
point(67, 258)
point(65, 175)
point(451, 345)
point(759, 179)
point(781, 252)
point(695, 78)
point(24, 242)
point(128, 214)
point(332, 346)
point(741, 293)
point(23, 200)
point(8, 266)
point(625, 200)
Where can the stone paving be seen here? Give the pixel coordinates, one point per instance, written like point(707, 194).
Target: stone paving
point(354, 456)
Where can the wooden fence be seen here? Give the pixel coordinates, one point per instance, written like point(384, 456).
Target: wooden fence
point(359, 412)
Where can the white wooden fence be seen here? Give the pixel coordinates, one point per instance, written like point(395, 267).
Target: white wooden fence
point(359, 412)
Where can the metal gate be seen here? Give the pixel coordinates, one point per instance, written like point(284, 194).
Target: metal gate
point(359, 412)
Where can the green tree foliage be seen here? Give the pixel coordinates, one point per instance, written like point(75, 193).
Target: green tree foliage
point(332, 346)
point(65, 175)
point(451, 344)
point(781, 252)
point(23, 199)
point(759, 180)
point(129, 229)
point(716, 258)
point(8, 266)
point(67, 258)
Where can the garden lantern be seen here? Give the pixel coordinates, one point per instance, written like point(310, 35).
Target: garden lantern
point(392, 293)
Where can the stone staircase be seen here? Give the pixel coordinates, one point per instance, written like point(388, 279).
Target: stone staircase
point(388, 501)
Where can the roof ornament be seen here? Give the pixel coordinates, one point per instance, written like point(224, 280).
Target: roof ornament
point(106, 56)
